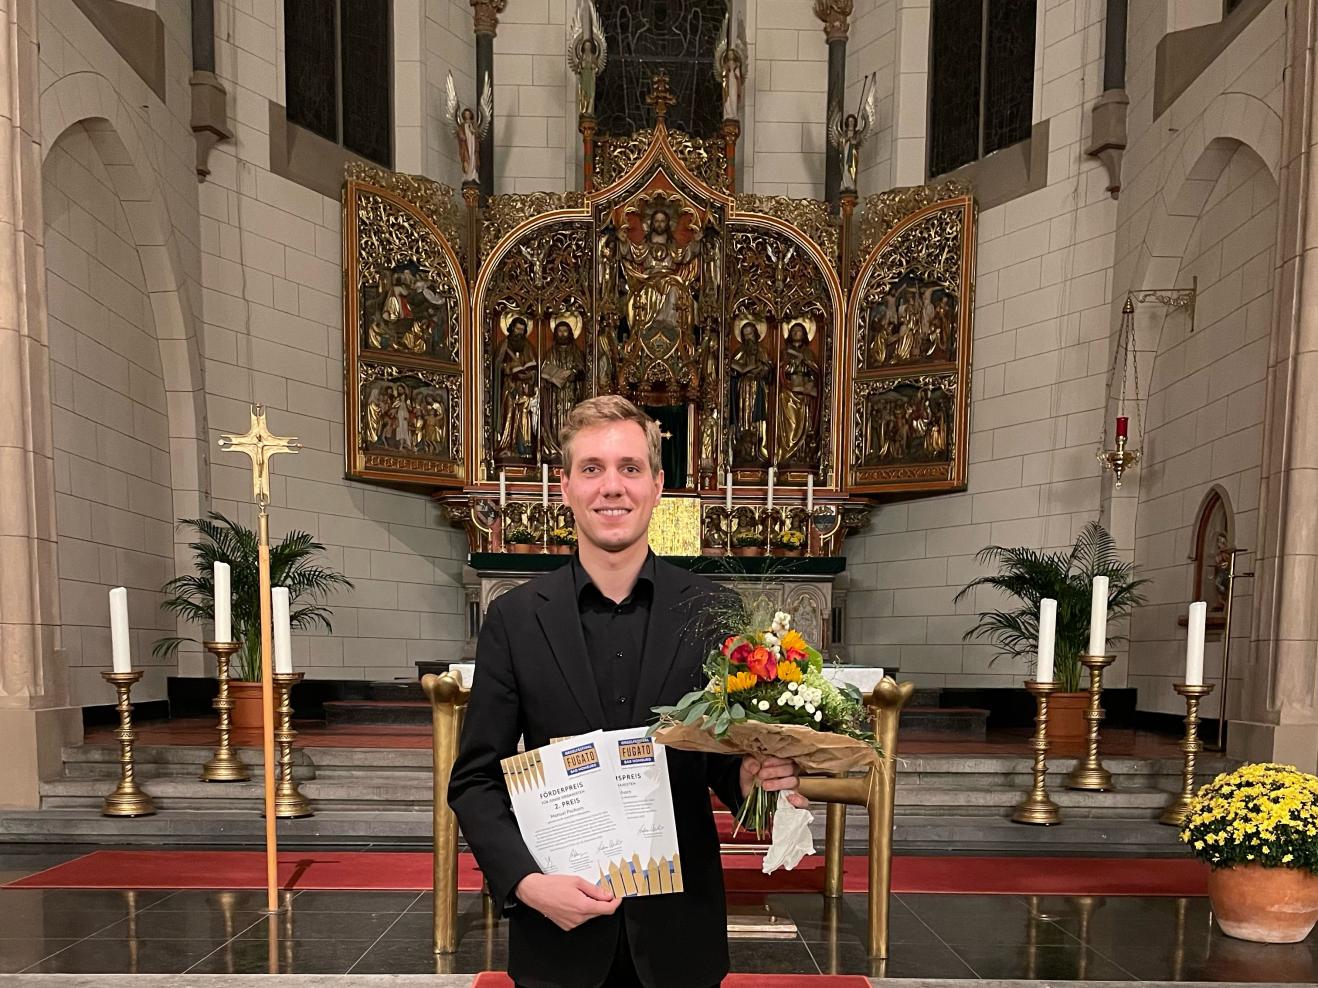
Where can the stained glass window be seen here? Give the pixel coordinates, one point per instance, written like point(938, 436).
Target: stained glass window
point(981, 79)
point(645, 36)
point(338, 62)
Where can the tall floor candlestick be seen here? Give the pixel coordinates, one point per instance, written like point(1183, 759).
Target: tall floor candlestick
point(224, 765)
point(289, 801)
point(1036, 807)
point(1175, 813)
point(128, 799)
point(1089, 773)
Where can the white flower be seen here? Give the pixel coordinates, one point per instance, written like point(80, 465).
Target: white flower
point(783, 618)
point(763, 704)
point(809, 708)
point(770, 638)
point(782, 700)
point(792, 687)
point(819, 716)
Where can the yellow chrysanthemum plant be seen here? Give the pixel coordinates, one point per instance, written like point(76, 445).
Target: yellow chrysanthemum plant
point(765, 679)
point(1262, 813)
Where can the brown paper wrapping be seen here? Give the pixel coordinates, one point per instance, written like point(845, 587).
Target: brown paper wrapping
point(814, 752)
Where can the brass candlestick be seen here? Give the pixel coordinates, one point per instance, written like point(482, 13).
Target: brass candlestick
point(1175, 813)
point(1036, 807)
point(128, 799)
point(289, 801)
point(1089, 773)
point(224, 766)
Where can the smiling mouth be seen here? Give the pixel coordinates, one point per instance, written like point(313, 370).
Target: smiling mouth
point(613, 512)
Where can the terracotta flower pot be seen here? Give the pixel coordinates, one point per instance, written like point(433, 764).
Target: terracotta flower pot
point(1066, 716)
point(748, 550)
point(246, 698)
point(1266, 905)
point(524, 548)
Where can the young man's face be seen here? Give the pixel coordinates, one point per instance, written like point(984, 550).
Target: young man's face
point(610, 488)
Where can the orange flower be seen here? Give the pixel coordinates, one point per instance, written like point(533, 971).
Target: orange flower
point(762, 663)
point(792, 641)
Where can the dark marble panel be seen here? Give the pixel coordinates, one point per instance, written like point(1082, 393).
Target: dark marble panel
point(286, 957)
point(63, 900)
point(413, 957)
point(17, 954)
point(1069, 962)
point(421, 927)
point(1224, 959)
point(905, 960)
point(771, 957)
point(218, 900)
point(355, 902)
point(67, 923)
point(125, 957)
point(985, 919)
point(313, 925)
point(197, 924)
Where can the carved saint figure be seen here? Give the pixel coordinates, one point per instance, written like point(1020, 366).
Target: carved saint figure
point(660, 308)
point(730, 65)
point(750, 371)
point(848, 134)
point(799, 403)
point(563, 374)
point(515, 369)
point(587, 54)
point(469, 126)
point(375, 414)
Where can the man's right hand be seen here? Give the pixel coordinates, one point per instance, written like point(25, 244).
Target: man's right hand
point(568, 901)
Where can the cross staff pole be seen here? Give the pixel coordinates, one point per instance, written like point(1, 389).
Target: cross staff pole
point(260, 444)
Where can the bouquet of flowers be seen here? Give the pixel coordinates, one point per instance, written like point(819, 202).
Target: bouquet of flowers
point(768, 695)
point(1261, 813)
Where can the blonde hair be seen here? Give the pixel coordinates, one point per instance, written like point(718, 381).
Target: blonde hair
point(602, 410)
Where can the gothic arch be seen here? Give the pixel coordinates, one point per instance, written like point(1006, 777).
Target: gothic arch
point(88, 98)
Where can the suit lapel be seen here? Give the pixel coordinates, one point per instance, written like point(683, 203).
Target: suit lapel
point(561, 622)
point(669, 616)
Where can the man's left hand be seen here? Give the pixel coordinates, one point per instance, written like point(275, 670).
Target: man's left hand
point(773, 775)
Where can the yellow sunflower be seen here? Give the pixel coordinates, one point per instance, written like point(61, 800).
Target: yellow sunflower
point(792, 640)
point(743, 680)
point(789, 672)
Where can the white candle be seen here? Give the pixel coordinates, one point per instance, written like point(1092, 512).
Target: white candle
point(1098, 618)
point(727, 492)
point(544, 485)
point(223, 598)
point(283, 630)
point(120, 654)
point(1194, 644)
point(810, 493)
point(771, 473)
point(1043, 672)
point(503, 488)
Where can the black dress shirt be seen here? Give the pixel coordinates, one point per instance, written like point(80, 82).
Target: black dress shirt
point(615, 639)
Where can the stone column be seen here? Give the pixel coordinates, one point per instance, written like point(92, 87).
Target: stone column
point(485, 21)
point(35, 719)
point(1278, 714)
point(836, 16)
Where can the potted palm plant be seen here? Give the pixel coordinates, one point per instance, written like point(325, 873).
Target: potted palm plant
point(1029, 575)
point(292, 564)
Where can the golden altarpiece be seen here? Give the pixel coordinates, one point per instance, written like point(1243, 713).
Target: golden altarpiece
point(813, 359)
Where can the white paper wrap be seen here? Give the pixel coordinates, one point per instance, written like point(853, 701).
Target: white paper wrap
point(790, 837)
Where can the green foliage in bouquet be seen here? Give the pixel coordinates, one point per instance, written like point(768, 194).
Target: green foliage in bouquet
point(1262, 813)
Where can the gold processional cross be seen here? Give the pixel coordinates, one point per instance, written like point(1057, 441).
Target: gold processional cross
point(260, 444)
point(660, 97)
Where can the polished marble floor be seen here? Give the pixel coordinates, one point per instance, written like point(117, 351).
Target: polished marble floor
point(932, 936)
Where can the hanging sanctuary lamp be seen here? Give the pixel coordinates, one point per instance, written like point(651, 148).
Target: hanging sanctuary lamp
point(1121, 457)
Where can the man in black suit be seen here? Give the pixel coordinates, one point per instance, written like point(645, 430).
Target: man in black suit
point(595, 645)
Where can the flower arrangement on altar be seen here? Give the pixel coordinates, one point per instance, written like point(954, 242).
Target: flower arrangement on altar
point(791, 539)
point(1261, 813)
point(563, 536)
point(518, 535)
point(767, 695)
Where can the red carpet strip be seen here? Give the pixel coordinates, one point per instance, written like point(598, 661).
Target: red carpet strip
point(410, 871)
point(497, 979)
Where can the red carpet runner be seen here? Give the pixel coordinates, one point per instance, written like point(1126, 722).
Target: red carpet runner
point(410, 871)
point(496, 979)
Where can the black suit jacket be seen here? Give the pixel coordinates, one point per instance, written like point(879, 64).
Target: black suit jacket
point(534, 680)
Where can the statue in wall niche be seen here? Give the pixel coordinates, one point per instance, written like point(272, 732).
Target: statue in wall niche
point(730, 57)
point(469, 126)
point(587, 54)
point(849, 133)
point(750, 372)
point(516, 372)
point(563, 379)
point(798, 438)
point(660, 306)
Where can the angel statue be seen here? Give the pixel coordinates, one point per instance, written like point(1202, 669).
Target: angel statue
point(849, 133)
point(469, 126)
point(587, 53)
point(730, 65)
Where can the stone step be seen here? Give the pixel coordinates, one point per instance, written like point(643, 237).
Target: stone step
point(392, 691)
point(399, 829)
